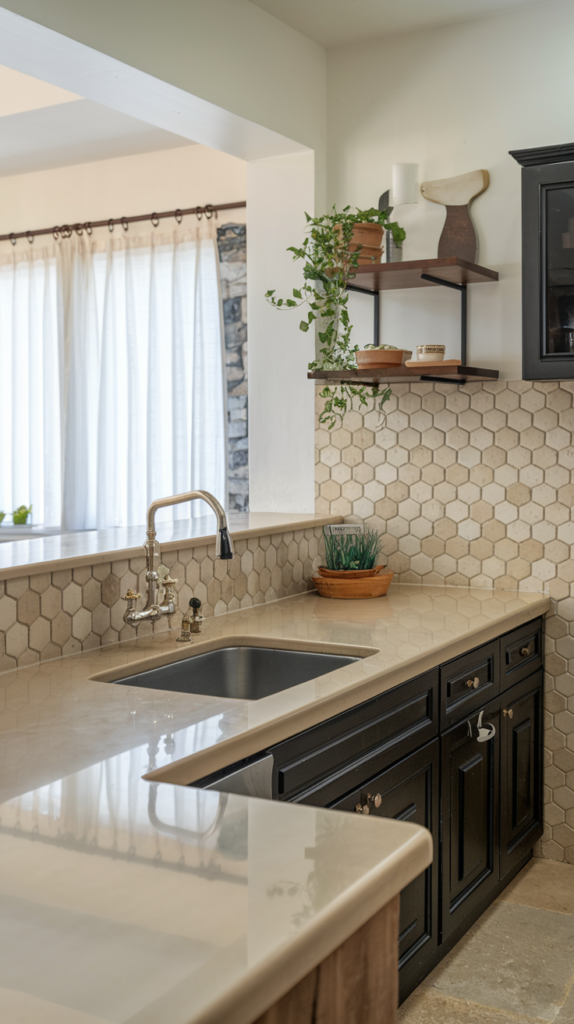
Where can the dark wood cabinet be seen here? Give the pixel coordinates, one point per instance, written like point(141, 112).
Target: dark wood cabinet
point(470, 821)
point(547, 262)
point(415, 752)
point(521, 806)
point(409, 792)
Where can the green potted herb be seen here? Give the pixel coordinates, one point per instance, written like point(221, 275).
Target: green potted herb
point(352, 554)
point(354, 569)
point(20, 515)
point(331, 253)
point(2, 516)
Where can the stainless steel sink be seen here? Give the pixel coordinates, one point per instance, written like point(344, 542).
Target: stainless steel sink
point(248, 673)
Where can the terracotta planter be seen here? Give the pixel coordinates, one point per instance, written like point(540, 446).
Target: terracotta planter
point(354, 590)
point(349, 574)
point(371, 238)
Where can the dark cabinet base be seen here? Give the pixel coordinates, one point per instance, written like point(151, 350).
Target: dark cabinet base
point(457, 750)
point(408, 984)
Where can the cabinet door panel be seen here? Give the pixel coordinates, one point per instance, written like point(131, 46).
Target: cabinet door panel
point(409, 791)
point(470, 817)
point(521, 775)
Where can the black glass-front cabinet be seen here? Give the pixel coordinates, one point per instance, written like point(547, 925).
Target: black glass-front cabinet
point(547, 262)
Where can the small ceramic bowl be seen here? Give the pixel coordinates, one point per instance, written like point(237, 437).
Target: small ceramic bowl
point(430, 353)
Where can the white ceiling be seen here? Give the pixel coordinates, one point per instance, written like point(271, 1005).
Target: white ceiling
point(337, 22)
point(42, 126)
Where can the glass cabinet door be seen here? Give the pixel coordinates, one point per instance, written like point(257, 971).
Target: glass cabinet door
point(558, 271)
point(547, 262)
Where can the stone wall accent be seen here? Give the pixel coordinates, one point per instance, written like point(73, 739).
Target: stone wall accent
point(475, 485)
point(53, 614)
point(231, 241)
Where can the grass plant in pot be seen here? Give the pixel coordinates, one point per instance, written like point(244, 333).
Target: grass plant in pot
point(353, 568)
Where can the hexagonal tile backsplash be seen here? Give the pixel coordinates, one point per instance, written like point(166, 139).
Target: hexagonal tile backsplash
point(51, 614)
point(475, 485)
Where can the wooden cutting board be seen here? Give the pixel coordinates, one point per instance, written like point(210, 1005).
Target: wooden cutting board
point(456, 194)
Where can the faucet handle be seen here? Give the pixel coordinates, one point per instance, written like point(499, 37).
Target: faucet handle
point(167, 581)
point(131, 596)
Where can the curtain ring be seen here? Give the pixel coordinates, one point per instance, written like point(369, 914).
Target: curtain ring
point(66, 231)
point(111, 225)
point(125, 224)
point(198, 212)
point(78, 229)
point(13, 238)
point(209, 211)
point(88, 228)
point(56, 233)
point(178, 216)
point(154, 219)
point(30, 237)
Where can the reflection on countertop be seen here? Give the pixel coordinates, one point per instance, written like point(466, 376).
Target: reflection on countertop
point(124, 901)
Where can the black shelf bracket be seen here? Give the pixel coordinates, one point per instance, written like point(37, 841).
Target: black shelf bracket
point(376, 297)
point(463, 308)
point(433, 280)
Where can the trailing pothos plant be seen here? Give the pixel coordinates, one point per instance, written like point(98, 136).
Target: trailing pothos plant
point(330, 262)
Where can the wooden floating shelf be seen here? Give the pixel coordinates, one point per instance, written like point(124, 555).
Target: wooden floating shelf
point(406, 375)
point(382, 277)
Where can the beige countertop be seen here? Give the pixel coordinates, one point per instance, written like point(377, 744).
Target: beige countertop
point(49, 553)
point(125, 900)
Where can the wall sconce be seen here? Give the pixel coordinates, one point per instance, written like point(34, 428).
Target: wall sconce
point(404, 190)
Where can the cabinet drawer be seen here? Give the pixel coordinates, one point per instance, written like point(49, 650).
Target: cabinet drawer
point(387, 727)
point(468, 682)
point(520, 653)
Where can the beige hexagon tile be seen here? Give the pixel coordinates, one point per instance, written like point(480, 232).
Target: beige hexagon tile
point(498, 461)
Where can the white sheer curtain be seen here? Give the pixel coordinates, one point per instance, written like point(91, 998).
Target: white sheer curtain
point(123, 342)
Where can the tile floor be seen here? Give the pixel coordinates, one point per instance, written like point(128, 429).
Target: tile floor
point(516, 964)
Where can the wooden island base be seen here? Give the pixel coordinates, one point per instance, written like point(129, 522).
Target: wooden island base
point(357, 984)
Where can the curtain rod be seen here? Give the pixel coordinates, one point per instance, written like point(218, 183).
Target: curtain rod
point(66, 230)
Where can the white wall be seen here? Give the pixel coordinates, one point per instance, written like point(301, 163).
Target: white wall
point(453, 100)
point(124, 186)
point(281, 425)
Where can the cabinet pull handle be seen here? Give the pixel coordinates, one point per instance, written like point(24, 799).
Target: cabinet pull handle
point(485, 732)
point(510, 712)
point(526, 651)
point(473, 684)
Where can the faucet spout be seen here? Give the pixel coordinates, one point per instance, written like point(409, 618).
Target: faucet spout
point(155, 608)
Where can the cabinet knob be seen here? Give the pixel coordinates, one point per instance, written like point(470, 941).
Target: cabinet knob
point(526, 651)
point(364, 807)
point(510, 712)
point(473, 684)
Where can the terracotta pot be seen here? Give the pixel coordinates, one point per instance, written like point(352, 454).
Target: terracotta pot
point(371, 358)
point(354, 590)
point(370, 237)
point(368, 234)
point(349, 574)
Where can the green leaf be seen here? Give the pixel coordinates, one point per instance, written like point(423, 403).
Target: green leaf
point(304, 326)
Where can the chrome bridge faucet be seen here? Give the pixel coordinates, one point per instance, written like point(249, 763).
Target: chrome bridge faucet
point(155, 605)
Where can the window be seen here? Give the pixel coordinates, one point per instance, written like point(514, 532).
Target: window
point(112, 387)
